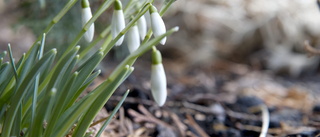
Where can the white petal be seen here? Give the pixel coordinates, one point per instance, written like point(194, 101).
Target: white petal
point(158, 84)
point(142, 26)
point(86, 16)
point(158, 26)
point(133, 39)
point(118, 24)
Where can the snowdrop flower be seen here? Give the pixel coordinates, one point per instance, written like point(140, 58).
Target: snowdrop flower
point(86, 16)
point(142, 26)
point(118, 22)
point(158, 79)
point(133, 38)
point(157, 24)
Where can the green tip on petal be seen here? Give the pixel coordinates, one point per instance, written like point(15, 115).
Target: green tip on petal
point(117, 5)
point(152, 9)
point(85, 4)
point(156, 56)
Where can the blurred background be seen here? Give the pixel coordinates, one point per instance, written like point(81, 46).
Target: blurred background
point(229, 55)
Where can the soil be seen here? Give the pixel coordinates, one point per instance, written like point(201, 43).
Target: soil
point(220, 100)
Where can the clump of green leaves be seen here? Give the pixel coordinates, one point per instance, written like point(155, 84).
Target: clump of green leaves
point(39, 93)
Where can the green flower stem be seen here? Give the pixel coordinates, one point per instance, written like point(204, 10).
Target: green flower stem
point(141, 50)
point(100, 10)
point(106, 47)
point(55, 20)
point(128, 5)
point(103, 34)
point(162, 11)
point(84, 52)
point(115, 110)
point(166, 6)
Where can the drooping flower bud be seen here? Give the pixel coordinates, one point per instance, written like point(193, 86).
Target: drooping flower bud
point(158, 78)
point(86, 16)
point(118, 22)
point(142, 26)
point(157, 24)
point(133, 38)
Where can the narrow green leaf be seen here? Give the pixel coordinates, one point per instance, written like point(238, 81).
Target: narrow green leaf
point(104, 6)
point(36, 85)
point(115, 110)
point(60, 69)
point(54, 21)
point(84, 71)
point(74, 112)
point(12, 63)
point(3, 54)
point(17, 123)
point(26, 64)
point(17, 98)
point(6, 75)
point(59, 106)
point(41, 112)
point(99, 102)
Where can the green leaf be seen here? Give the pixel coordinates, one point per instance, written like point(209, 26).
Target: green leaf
point(17, 123)
point(104, 95)
point(27, 81)
point(6, 74)
point(3, 54)
point(60, 69)
point(84, 71)
point(58, 108)
point(74, 112)
point(115, 110)
point(12, 63)
point(41, 112)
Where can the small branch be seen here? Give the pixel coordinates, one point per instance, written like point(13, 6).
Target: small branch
point(146, 117)
point(181, 127)
point(310, 49)
point(196, 126)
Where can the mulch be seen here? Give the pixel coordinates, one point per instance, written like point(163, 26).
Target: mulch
point(221, 99)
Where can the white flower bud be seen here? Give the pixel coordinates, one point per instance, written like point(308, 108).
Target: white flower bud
point(158, 79)
point(86, 16)
point(158, 84)
point(157, 24)
point(118, 22)
point(142, 26)
point(133, 40)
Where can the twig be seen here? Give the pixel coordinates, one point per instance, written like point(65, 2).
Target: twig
point(146, 117)
point(199, 108)
point(243, 116)
point(133, 100)
point(121, 120)
point(196, 126)
point(311, 49)
point(181, 127)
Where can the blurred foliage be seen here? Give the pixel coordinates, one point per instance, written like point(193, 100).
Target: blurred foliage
point(37, 19)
